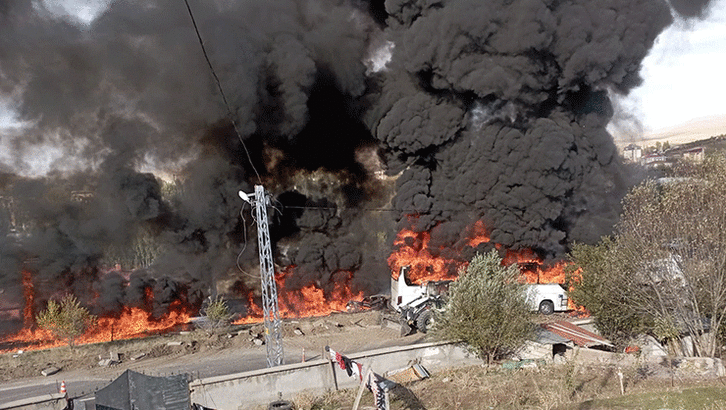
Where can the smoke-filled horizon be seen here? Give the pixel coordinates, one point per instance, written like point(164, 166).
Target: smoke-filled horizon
point(456, 111)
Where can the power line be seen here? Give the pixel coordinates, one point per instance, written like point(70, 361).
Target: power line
point(221, 91)
point(374, 209)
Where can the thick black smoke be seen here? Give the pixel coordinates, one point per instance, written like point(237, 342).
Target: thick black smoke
point(492, 111)
point(502, 117)
point(690, 8)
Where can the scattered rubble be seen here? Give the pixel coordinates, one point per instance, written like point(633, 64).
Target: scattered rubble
point(138, 356)
point(700, 367)
point(408, 374)
point(107, 363)
point(523, 364)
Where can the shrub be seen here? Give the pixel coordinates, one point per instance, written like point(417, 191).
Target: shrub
point(217, 314)
point(487, 309)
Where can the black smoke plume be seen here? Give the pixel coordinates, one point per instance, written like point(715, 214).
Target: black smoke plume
point(491, 111)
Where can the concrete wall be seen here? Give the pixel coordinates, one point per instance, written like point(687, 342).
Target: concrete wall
point(245, 390)
point(46, 402)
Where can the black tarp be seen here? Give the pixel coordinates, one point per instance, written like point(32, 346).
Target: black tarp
point(136, 391)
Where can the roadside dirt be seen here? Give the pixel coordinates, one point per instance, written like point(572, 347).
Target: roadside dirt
point(182, 352)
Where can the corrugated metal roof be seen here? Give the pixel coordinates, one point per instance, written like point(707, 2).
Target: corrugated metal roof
point(545, 337)
point(578, 335)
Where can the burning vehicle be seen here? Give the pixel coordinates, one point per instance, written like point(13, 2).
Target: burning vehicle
point(415, 303)
point(547, 298)
point(373, 302)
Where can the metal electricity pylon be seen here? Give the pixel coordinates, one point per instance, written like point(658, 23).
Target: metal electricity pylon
point(273, 331)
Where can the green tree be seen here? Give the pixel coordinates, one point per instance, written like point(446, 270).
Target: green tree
point(66, 320)
point(594, 281)
point(487, 309)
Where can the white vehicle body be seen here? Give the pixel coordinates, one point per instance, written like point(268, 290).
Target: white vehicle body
point(546, 298)
point(405, 295)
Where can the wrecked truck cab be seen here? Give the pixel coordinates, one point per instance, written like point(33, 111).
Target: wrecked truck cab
point(414, 303)
point(405, 294)
point(546, 298)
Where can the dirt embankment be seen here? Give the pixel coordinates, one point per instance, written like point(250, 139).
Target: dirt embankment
point(301, 338)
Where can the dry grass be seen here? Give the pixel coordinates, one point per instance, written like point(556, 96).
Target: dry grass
point(549, 387)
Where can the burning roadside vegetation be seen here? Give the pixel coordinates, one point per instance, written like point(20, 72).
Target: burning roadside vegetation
point(384, 130)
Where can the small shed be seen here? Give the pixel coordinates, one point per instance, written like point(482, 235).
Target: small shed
point(136, 391)
point(576, 334)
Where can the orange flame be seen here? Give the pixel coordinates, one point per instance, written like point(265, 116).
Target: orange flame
point(310, 300)
point(413, 250)
point(131, 323)
point(533, 269)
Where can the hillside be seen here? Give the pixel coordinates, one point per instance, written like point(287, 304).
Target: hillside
point(698, 129)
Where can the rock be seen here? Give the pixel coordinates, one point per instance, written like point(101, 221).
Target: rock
point(114, 356)
point(700, 367)
point(49, 371)
point(107, 363)
point(138, 356)
point(174, 344)
point(298, 332)
point(530, 365)
point(258, 342)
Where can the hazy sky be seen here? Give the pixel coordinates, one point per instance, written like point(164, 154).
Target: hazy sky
point(683, 75)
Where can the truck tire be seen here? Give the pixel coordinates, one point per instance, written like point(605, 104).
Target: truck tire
point(546, 307)
point(424, 321)
point(281, 405)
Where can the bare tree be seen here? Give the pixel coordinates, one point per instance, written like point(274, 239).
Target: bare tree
point(668, 257)
point(141, 252)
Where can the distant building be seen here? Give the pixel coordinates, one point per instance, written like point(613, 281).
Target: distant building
point(654, 160)
point(632, 153)
point(695, 154)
